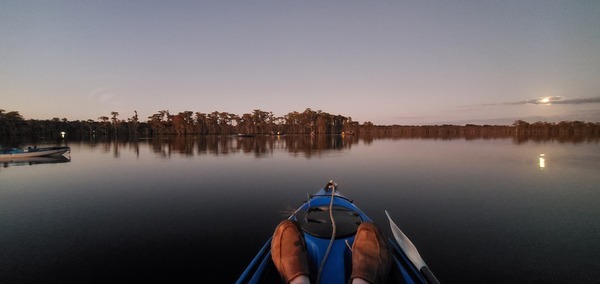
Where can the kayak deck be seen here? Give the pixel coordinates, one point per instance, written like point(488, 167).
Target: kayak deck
point(315, 222)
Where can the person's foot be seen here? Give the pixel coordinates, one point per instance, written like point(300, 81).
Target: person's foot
point(289, 251)
point(371, 259)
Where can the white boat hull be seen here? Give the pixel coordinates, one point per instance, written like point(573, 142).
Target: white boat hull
point(35, 153)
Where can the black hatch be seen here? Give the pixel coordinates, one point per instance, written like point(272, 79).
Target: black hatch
point(317, 222)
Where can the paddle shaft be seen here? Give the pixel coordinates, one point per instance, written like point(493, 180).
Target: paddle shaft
point(429, 275)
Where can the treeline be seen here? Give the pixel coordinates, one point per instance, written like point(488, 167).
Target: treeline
point(536, 131)
point(12, 124)
point(257, 122)
point(183, 123)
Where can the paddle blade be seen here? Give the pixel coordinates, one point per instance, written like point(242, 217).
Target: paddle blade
point(407, 246)
point(411, 251)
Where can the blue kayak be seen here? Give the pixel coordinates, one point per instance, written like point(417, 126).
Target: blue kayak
point(330, 258)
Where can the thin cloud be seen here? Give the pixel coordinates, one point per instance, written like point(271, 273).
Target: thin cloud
point(556, 100)
point(580, 101)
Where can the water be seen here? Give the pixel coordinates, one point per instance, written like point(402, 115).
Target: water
point(182, 210)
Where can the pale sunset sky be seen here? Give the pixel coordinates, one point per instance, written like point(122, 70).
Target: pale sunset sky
point(388, 62)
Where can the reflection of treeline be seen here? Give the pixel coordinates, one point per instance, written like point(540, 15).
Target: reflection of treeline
point(259, 146)
point(221, 145)
point(306, 146)
point(186, 123)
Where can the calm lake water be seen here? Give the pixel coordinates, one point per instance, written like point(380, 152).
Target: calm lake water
point(479, 211)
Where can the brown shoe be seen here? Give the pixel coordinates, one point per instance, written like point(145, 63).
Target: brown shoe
point(289, 251)
point(371, 259)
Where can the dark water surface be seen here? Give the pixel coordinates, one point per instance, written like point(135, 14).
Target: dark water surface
point(480, 211)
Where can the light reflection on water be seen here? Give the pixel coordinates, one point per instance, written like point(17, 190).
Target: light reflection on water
point(187, 209)
point(542, 161)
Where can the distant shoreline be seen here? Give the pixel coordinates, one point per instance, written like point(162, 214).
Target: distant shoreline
point(259, 122)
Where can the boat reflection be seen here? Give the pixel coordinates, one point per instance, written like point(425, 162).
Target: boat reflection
point(36, 161)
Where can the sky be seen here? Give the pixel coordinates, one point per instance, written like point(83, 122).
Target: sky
point(388, 62)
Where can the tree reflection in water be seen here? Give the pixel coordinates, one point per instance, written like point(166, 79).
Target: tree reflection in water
point(305, 145)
